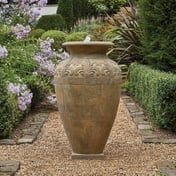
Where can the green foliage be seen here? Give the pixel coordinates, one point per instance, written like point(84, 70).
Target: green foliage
point(77, 13)
point(107, 6)
point(9, 113)
point(126, 35)
point(65, 9)
point(36, 33)
point(58, 36)
point(75, 10)
point(76, 36)
point(5, 34)
point(88, 10)
point(158, 23)
point(40, 86)
point(51, 22)
point(156, 92)
point(20, 57)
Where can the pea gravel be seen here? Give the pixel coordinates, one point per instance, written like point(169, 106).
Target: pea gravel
point(125, 154)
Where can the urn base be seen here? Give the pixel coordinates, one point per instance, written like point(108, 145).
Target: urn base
point(87, 156)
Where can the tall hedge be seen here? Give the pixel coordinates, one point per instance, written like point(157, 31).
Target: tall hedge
point(65, 9)
point(158, 21)
point(156, 92)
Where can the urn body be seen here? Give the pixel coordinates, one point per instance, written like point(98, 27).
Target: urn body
point(87, 87)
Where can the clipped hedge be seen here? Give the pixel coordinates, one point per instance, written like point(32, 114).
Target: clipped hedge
point(51, 22)
point(156, 92)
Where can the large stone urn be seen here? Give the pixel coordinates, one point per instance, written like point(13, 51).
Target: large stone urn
point(87, 87)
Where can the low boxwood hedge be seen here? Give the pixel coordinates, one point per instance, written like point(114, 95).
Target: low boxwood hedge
point(156, 92)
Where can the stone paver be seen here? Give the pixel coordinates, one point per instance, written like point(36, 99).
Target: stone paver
point(9, 167)
point(7, 142)
point(31, 133)
point(167, 168)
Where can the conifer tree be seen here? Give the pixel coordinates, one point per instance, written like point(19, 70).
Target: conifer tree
point(77, 10)
point(158, 23)
point(65, 8)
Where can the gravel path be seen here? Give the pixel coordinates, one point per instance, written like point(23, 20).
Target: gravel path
point(125, 154)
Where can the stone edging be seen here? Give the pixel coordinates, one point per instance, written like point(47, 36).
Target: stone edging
point(29, 134)
point(9, 167)
point(143, 124)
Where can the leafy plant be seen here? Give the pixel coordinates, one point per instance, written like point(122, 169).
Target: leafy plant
point(128, 35)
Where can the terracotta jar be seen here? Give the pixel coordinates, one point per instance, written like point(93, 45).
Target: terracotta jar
point(87, 87)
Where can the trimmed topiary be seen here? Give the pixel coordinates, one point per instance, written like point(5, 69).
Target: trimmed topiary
point(58, 36)
point(76, 36)
point(36, 33)
point(51, 22)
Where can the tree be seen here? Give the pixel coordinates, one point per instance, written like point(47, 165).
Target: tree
point(77, 6)
point(65, 9)
point(158, 23)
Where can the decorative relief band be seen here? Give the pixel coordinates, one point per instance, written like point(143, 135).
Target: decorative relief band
point(88, 69)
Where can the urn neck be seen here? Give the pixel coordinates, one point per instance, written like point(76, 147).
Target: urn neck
point(94, 47)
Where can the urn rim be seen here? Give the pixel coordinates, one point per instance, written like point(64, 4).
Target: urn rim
point(99, 43)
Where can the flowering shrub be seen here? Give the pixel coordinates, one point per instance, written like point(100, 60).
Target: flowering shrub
point(26, 65)
point(21, 31)
point(25, 11)
point(44, 58)
point(47, 59)
point(23, 93)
